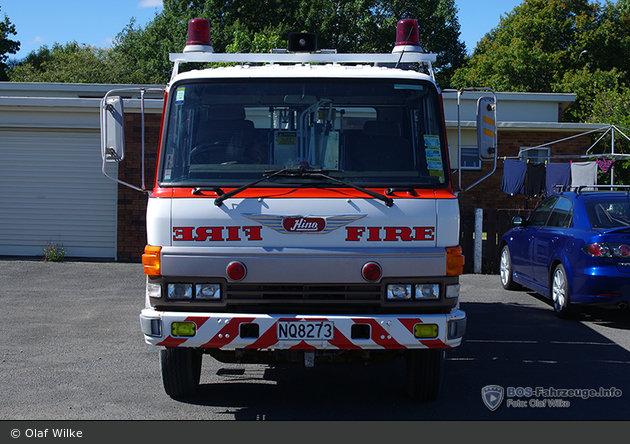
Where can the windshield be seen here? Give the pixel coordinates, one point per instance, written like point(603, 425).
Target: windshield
point(369, 133)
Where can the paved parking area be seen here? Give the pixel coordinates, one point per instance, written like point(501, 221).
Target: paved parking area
point(72, 350)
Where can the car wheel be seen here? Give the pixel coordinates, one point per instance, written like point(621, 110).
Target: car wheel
point(560, 292)
point(181, 371)
point(505, 269)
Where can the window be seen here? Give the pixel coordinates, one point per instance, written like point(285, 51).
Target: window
point(470, 158)
point(562, 213)
point(536, 155)
point(539, 216)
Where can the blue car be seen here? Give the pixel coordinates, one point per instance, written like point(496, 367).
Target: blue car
point(573, 248)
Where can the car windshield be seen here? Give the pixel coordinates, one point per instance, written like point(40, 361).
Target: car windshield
point(365, 132)
point(608, 213)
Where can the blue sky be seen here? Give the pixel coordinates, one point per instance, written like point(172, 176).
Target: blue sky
point(44, 22)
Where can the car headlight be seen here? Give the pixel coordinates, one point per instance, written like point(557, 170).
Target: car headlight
point(180, 291)
point(399, 292)
point(427, 291)
point(208, 291)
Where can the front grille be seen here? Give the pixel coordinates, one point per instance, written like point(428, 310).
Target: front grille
point(302, 293)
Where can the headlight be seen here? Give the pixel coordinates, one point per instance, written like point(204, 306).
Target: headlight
point(180, 291)
point(399, 292)
point(208, 291)
point(427, 291)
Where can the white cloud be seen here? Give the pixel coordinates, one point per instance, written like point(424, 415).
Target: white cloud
point(36, 40)
point(150, 4)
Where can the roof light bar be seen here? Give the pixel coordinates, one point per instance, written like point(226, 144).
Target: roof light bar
point(198, 36)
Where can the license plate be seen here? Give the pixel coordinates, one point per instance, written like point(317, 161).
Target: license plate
point(305, 330)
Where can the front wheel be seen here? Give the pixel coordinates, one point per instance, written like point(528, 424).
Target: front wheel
point(181, 371)
point(560, 292)
point(424, 374)
point(505, 269)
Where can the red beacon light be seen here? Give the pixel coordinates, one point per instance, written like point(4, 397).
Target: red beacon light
point(198, 36)
point(407, 39)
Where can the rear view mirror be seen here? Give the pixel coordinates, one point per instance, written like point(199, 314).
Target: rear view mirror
point(112, 129)
point(517, 221)
point(486, 128)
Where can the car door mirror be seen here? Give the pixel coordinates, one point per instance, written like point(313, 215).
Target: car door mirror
point(517, 221)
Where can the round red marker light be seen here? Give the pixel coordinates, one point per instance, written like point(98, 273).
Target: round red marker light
point(236, 271)
point(371, 271)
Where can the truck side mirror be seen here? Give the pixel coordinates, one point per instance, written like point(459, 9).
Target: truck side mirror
point(112, 129)
point(486, 128)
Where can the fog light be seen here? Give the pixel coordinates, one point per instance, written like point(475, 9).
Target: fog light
point(208, 291)
point(427, 291)
point(183, 329)
point(423, 331)
point(399, 292)
point(180, 291)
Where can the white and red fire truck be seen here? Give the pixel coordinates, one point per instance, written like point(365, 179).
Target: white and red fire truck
point(302, 212)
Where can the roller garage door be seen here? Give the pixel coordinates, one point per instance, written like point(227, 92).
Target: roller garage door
point(52, 190)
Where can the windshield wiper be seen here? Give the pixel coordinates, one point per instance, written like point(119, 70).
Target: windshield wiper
point(266, 176)
point(301, 172)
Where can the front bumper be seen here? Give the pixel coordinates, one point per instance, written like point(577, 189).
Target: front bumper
point(260, 331)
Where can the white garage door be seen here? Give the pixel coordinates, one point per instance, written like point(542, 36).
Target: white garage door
point(52, 191)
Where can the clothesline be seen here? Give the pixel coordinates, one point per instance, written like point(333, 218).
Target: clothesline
point(607, 129)
point(542, 178)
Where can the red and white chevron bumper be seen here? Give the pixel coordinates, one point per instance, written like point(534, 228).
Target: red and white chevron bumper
point(261, 331)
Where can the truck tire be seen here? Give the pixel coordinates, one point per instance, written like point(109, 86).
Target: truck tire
point(424, 374)
point(181, 371)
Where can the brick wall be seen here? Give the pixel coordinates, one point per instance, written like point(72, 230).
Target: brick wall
point(488, 193)
point(132, 204)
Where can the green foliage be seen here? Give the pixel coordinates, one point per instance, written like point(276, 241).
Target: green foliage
point(54, 252)
point(564, 46)
point(71, 63)
point(7, 46)
point(247, 26)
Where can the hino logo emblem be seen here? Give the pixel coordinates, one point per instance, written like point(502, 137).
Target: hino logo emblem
point(303, 224)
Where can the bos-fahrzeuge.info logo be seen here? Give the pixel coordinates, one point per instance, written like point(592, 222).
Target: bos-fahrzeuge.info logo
point(540, 397)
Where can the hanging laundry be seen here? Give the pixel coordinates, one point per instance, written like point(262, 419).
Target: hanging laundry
point(535, 179)
point(514, 172)
point(604, 164)
point(557, 174)
point(583, 173)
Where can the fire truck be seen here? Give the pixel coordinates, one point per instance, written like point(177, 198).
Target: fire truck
point(302, 212)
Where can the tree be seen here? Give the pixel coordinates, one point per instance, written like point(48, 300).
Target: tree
point(246, 26)
point(565, 46)
point(7, 46)
point(71, 63)
point(556, 46)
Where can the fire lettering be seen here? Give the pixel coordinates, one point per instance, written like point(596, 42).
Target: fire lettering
point(392, 234)
point(217, 234)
